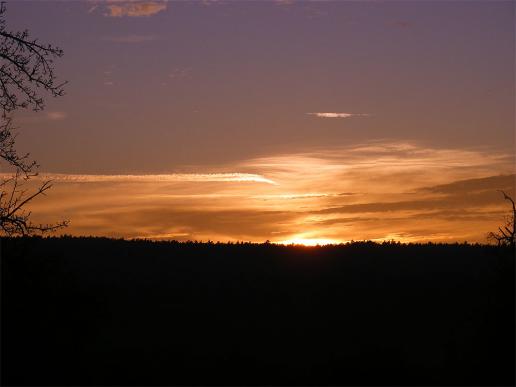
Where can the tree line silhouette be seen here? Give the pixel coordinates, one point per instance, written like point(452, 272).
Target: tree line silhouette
point(98, 311)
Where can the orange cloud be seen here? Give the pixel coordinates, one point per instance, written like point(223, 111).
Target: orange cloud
point(56, 116)
point(116, 8)
point(174, 177)
point(337, 115)
point(376, 191)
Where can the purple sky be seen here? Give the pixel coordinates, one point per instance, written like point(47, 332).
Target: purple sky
point(214, 82)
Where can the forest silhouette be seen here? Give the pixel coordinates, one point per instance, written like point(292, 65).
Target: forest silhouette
point(98, 311)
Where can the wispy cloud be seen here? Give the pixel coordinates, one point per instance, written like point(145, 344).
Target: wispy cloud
point(56, 116)
point(378, 190)
point(179, 73)
point(93, 8)
point(175, 177)
point(337, 115)
point(130, 38)
point(207, 3)
point(32, 118)
point(381, 167)
point(292, 196)
point(133, 8)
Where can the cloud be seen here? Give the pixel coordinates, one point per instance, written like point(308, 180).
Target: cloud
point(130, 38)
point(179, 73)
point(501, 182)
point(337, 115)
point(40, 117)
point(291, 196)
point(93, 8)
point(462, 210)
point(242, 224)
point(207, 3)
point(175, 177)
point(377, 190)
point(470, 200)
point(116, 8)
point(56, 116)
point(378, 167)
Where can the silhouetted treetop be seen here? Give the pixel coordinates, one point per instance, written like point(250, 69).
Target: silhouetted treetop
point(26, 67)
point(8, 151)
point(506, 235)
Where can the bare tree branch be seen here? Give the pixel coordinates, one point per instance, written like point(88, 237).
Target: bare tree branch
point(8, 151)
point(14, 220)
point(506, 236)
point(26, 68)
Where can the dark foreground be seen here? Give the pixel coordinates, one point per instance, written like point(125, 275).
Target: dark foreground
point(102, 312)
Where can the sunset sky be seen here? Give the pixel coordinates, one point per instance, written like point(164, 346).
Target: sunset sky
point(304, 121)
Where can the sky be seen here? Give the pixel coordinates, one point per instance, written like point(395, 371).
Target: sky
point(288, 121)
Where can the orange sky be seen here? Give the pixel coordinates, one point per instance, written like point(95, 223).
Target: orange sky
point(377, 191)
point(277, 120)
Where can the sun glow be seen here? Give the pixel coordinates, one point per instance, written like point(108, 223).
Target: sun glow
point(374, 191)
point(308, 241)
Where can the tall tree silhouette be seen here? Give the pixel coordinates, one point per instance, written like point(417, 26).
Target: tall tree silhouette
point(26, 68)
point(506, 234)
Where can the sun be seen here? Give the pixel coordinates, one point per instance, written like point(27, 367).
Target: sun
point(308, 241)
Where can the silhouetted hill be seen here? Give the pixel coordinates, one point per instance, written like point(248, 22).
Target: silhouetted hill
point(93, 311)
